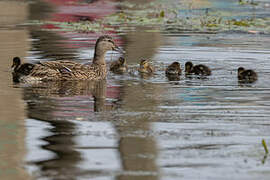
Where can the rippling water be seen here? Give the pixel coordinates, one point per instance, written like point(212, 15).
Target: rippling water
point(129, 127)
point(135, 128)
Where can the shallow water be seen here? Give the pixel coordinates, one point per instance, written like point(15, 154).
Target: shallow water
point(129, 127)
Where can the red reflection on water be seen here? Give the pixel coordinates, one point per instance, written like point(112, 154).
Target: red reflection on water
point(76, 10)
point(79, 10)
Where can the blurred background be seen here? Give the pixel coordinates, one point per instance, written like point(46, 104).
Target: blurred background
point(128, 126)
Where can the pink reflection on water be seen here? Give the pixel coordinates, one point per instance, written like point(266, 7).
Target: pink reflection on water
point(75, 10)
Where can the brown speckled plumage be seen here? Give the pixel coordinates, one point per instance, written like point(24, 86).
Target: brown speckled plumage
point(247, 76)
point(69, 70)
point(199, 69)
point(146, 67)
point(173, 69)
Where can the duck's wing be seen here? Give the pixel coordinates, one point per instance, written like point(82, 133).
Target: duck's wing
point(70, 65)
point(44, 73)
point(91, 72)
point(67, 70)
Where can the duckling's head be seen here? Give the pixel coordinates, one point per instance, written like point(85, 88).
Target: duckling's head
point(175, 65)
point(16, 62)
point(188, 66)
point(122, 60)
point(105, 43)
point(144, 64)
point(240, 70)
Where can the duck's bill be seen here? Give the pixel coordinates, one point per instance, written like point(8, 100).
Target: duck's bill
point(118, 49)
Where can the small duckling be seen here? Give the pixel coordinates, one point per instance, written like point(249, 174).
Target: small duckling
point(24, 68)
point(146, 67)
point(199, 69)
point(119, 66)
point(248, 76)
point(20, 70)
point(173, 69)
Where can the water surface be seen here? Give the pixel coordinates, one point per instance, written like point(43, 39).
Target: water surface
point(133, 127)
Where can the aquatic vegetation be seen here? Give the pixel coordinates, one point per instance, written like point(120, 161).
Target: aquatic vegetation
point(172, 17)
point(247, 2)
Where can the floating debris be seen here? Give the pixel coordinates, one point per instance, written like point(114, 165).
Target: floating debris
point(265, 146)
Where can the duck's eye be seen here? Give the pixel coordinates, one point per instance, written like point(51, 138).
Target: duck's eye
point(111, 41)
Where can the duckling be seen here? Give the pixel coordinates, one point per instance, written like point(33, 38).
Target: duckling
point(69, 70)
point(146, 67)
point(173, 69)
point(119, 66)
point(20, 69)
point(248, 76)
point(199, 69)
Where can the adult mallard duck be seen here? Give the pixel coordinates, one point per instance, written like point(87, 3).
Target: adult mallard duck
point(248, 75)
point(146, 67)
point(69, 70)
point(119, 66)
point(199, 69)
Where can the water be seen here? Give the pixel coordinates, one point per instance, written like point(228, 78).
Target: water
point(128, 127)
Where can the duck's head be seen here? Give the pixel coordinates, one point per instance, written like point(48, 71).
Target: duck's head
point(122, 60)
point(16, 62)
point(175, 65)
point(188, 66)
point(105, 43)
point(240, 70)
point(144, 64)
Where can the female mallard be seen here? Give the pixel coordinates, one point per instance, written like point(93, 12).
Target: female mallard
point(119, 66)
point(146, 67)
point(199, 69)
point(69, 70)
point(248, 76)
point(20, 69)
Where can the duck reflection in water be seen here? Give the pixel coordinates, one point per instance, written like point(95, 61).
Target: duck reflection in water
point(67, 99)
